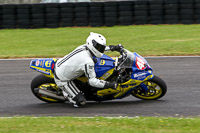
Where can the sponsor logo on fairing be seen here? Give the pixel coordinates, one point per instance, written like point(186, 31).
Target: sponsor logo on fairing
point(37, 63)
point(136, 75)
point(106, 75)
point(130, 85)
point(45, 72)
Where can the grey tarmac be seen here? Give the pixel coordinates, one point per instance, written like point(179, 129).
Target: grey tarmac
point(181, 74)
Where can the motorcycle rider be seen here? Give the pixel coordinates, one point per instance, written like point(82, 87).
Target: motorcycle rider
point(79, 62)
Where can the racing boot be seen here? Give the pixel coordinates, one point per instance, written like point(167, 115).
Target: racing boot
point(79, 100)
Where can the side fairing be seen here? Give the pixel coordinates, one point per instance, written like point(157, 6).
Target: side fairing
point(104, 66)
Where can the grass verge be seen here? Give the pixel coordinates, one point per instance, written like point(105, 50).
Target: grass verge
point(144, 39)
point(99, 125)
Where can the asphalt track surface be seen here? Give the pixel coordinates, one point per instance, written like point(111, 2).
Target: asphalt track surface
point(182, 75)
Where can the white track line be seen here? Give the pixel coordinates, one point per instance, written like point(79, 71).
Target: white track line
point(172, 57)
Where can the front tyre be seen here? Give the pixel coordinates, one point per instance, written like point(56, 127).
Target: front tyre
point(155, 89)
point(44, 83)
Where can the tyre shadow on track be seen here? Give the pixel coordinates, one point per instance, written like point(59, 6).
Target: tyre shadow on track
point(111, 108)
point(123, 103)
point(99, 104)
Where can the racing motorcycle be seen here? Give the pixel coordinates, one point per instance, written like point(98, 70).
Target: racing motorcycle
point(131, 71)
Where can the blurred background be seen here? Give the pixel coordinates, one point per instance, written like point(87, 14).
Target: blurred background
point(96, 13)
point(48, 1)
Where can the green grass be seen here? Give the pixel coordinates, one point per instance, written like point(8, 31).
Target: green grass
point(147, 40)
point(99, 125)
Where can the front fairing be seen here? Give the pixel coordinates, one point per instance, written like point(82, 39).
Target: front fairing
point(141, 70)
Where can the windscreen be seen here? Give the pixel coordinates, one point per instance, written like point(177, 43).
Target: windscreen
point(128, 62)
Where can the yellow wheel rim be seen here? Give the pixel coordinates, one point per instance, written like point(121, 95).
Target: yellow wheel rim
point(154, 91)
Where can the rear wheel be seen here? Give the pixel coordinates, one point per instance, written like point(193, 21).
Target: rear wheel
point(44, 83)
point(156, 88)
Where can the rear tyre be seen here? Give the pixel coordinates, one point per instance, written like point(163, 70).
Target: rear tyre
point(157, 88)
point(43, 82)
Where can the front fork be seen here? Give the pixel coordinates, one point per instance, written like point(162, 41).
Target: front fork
point(144, 87)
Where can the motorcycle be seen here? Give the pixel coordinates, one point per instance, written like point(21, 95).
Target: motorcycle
point(131, 71)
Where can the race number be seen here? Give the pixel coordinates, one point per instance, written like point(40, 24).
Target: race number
point(140, 63)
point(48, 63)
point(102, 62)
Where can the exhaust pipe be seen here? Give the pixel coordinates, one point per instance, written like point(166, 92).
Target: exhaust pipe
point(50, 94)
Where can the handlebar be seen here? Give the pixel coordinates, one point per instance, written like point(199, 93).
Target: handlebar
point(123, 53)
point(122, 57)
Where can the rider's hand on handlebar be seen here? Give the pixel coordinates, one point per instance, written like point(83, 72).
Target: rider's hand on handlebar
point(118, 47)
point(112, 84)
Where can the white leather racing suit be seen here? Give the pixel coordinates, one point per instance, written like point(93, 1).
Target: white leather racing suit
point(73, 65)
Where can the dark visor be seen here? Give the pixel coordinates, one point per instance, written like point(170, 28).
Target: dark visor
point(98, 46)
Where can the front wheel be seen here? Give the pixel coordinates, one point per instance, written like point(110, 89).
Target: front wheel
point(155, 88)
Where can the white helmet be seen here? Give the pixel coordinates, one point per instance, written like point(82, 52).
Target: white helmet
point(96, 43)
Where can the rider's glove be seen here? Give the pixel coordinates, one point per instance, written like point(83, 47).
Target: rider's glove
point(112, 84)
point(118, 48)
